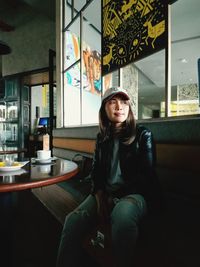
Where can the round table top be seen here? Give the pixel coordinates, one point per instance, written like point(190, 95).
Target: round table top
point(34, 175)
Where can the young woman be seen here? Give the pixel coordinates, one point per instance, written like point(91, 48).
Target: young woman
point(124, 186)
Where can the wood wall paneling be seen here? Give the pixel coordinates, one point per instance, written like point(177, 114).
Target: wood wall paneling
point(82, 145)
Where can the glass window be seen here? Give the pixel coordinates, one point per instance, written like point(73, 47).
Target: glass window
point(2, 111)
point(145, 81)
point(11, 132)
point(91, 64)
point(82, 72)
point(25, 93)
point(72, 102)
point(39, 105)
point(72, 44)
point(26, 113)
point(185, 55)
point(111, 79)
point(11, 88)
point(68, 12)
point(78, 5)
point(12, 110)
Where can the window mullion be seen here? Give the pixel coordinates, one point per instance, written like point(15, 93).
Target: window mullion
point(81, 67)
point(168, 68)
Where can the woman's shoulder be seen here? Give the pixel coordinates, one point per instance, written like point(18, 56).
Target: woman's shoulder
point(142, 131)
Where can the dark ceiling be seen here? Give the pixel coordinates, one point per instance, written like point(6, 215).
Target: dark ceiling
point(14, 13)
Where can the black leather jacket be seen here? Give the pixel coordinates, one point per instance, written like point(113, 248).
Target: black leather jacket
point(137, 163)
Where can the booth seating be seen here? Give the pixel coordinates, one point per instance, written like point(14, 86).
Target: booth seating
point(170, 238)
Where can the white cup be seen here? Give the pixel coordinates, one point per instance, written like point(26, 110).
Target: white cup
point(43, 154)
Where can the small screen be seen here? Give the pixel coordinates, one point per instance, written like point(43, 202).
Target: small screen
point(43, 121)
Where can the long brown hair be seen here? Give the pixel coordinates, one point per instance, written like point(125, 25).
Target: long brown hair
point(126, 132)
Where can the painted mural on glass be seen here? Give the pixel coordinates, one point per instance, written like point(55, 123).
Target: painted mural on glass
point(91, 70)
point(132, 29)
point(91, 64)
point(71, 49)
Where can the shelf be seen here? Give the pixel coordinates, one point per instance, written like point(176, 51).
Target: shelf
point(15, 114)
point(10, 121)
point(10, 99)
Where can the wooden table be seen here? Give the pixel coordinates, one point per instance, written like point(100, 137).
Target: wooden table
point(37, 175)
point(13, 182)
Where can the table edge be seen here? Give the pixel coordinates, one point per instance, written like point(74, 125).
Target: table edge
point(18, 187)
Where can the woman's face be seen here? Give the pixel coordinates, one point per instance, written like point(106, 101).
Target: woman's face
point(117, 110)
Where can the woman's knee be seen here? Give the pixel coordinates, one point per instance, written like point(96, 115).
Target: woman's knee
point(122, 212)
point(127, 212)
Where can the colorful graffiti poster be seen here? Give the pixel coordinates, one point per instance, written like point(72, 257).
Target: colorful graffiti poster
point(71, 49)
point(91, 70)
point(132, 29)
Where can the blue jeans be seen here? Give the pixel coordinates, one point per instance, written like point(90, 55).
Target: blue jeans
point(125, 218)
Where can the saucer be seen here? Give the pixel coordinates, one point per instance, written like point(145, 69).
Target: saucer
point(44, 161)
